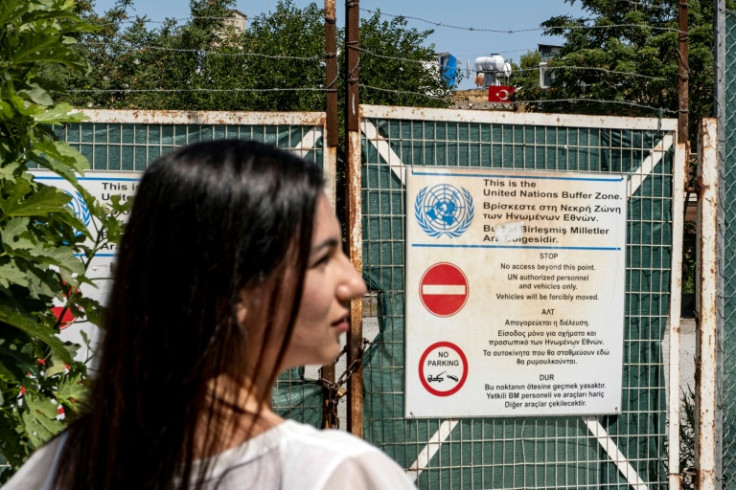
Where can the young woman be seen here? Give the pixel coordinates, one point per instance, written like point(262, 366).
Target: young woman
point(230, 271)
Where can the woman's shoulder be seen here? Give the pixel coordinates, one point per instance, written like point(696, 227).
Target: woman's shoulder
point(337, 459)
point(39, 470)
point(334, 441)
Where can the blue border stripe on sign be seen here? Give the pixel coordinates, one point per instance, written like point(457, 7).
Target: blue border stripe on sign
point(535, 177)
point(125, 179)
point(531, 247)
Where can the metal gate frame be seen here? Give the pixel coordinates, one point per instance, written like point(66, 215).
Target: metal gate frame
point(309, 142)
point(299, 393)
point(607, 443)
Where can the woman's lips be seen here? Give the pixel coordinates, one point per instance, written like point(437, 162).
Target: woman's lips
point(341, 324)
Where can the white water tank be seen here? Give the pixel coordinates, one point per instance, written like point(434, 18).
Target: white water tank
point(491, 69)
point(492, 63)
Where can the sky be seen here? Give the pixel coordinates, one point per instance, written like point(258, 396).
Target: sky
point(471, 28)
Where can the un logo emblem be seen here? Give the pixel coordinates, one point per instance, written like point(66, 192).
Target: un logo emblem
point(80, 209)
point(444, 210)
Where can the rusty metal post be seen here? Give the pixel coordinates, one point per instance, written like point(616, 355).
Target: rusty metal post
point(331, 73)
point(331, 137)
point(354, 213)
point(682, 161)
point(706, 308)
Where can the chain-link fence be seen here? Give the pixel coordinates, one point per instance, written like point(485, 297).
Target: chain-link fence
point(620, 451)
point(727, 118)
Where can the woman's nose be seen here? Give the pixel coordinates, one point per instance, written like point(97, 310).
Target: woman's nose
point(352, 286)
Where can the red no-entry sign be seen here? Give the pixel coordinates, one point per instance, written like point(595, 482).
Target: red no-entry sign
point(443, 289)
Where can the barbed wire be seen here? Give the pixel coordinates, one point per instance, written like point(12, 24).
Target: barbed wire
point(525, 70)
point(144, 20)
point(394, 58)
point(425, 95)
point(598, 101)
point(403, 92)
point(531, 101)
point(319, 59)
point(450, 26)
point(590, 68)
point(140, 47)
point(431, 22)
point(369, 53)
point(517, 31)
point(661, 6)
point(185, 90)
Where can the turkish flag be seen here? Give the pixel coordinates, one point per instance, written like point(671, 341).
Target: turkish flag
point(499, 93)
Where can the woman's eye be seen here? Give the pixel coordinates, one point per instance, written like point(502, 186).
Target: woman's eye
point(321, 261)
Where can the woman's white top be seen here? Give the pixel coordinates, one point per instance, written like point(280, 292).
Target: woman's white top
point(289, 456)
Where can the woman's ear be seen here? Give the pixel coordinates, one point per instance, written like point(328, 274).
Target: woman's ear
point(241, 312)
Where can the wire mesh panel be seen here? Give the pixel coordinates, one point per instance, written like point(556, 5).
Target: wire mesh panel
point(728, 255)
point(131, 140)
point(522, 452)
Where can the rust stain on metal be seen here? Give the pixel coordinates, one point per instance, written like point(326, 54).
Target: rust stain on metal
point(205, 117)
point(355, 248)
point(706, 316)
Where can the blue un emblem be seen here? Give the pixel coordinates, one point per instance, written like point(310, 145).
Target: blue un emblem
point(80, 209)
point(444, 210)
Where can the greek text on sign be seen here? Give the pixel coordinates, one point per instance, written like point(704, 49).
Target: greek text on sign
point(523, 275)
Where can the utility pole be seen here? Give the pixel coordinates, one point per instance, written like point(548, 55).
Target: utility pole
point(682, 148)
point(683, 72)
point(329, 416)
point(354, 214)
point(331, 75)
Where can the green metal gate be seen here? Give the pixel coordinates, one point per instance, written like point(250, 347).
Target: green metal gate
point(628, 450)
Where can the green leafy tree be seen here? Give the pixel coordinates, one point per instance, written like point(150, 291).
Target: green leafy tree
point(44, 248)
point(285, 51)
point(277, 64)
point(526, 75)
point(626, 53)
point(394, 65)
point(123, 55)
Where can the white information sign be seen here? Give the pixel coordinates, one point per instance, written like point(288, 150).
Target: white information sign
point(102, 185)
point(514, 293)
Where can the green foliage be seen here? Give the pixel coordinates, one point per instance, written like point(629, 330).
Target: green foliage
point(526, 74)
point(687, 439)
point(689, 250)
point(277, 64)
point(44, 248)
point(627, 53)
point(393, 63)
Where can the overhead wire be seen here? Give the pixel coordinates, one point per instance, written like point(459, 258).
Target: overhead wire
point(516, 31)
point(141, 47)
point(214, 90)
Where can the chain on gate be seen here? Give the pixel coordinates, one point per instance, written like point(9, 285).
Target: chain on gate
point(332, 391)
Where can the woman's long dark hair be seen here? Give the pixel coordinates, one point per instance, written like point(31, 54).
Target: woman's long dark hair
point(211, 223)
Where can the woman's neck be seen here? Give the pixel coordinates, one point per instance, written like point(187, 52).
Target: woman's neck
point(238, 413)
